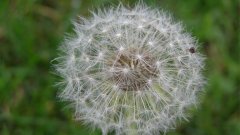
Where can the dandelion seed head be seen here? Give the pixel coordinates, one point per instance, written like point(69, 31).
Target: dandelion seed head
point(131, 71)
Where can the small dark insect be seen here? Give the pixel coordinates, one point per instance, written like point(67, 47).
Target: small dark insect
point(192, 50)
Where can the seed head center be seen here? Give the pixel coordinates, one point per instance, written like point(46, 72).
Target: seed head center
point(133, 71)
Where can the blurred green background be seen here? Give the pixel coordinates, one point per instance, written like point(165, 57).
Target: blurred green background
point(31, 31)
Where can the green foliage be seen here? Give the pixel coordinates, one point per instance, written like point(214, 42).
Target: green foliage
point(31, 31)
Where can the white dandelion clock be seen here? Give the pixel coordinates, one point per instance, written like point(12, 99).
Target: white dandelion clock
point(131, 71)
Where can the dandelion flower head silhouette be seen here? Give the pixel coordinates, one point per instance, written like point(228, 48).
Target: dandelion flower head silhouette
point(131, 71)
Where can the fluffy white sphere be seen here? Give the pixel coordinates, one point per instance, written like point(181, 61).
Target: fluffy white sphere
point(130, 71)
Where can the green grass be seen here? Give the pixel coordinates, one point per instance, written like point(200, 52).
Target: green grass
point(31, 31)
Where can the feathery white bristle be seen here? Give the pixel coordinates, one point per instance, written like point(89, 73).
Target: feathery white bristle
point(131, 71)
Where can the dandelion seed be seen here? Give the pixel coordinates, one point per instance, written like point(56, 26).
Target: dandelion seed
point(158, 63)
point(104, 30)
point(87, 59)
point(143, 20)
point(140, 26)
point(118, 35)
point(121, 48)
point(150, 43)
point(131, 81)
point(139, 56)
point(72, 58)
point(100, 55)
point(149, 81)
point(125, 22)
point(89, 40)
point(125, 70)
